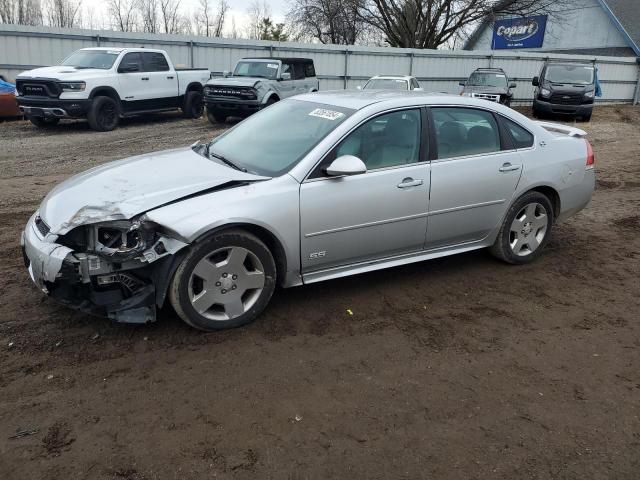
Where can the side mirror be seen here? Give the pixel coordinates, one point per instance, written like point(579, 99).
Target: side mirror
point(346, 165)
point(536, 81)
point(462, 84)
point(359, 87)
point(512, 85)
point(226, 73)
point(418, 89)
point(128, 68)
point(285, 76)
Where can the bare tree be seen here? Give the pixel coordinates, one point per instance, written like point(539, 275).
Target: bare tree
point(328, 21)
point(432, 23)
point(170, 12)
point(124, 14)
point(258, 11)
point(210, 22)
point(148, 10)
point(22, 12)
point(64, 13)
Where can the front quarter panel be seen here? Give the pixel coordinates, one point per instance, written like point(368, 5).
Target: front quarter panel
point(271, 204)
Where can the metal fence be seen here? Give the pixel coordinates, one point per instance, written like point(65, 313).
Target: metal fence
point(337, 66)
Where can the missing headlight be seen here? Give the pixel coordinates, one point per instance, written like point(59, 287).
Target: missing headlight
point(122, 240)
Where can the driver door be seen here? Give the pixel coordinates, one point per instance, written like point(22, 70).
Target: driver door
point(377, 214)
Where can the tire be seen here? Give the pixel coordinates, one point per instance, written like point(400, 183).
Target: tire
point(526, 229)
point(104, 114)
point(42, 122)
point(224, 282)
point(586, 118)
point(216, 117)
point(193, 105)
point(271, 101)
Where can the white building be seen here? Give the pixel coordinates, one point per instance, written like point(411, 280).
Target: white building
point(587, 27)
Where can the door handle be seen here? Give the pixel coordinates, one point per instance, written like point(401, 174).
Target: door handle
point(145, 78)
point(507, 167)
point(170, 78)
point(409, 182)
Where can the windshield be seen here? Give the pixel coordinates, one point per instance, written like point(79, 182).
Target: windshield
point(102, 59)
point(488, 79)
point(576, 74)
point(261, 145)
point(386, 84)
point(256, 69)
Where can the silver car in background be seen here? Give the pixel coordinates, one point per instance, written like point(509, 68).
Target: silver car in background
point(357, 181)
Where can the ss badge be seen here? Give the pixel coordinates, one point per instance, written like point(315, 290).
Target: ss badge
point(315, 255)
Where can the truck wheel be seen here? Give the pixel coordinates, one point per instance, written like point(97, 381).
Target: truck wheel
point(224, 282)
point(193, 106)
point(586, 118)
point(525, 231)
point(104, 114)
point(216, 117)
point(42, 122)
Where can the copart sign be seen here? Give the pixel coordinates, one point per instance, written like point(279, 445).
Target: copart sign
point(519, 32)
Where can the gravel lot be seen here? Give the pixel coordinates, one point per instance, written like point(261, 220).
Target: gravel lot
point(458, 368)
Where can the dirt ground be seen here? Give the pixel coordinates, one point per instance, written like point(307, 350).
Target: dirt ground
point(458, 368)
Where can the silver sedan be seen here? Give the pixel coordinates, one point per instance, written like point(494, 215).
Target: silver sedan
point(313, 188)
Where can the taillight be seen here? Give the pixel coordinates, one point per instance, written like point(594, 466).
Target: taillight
point(591, 158)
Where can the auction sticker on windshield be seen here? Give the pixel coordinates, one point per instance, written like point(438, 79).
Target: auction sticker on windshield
point(327, 114)
point(272, 65)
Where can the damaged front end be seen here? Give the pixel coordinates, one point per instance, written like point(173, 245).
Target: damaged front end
point(119, 269)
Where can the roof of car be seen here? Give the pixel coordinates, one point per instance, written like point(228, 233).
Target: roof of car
point(283, 59)
point(403, 77)
point(357, 99)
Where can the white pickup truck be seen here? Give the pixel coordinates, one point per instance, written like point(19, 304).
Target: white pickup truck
point(104, 85)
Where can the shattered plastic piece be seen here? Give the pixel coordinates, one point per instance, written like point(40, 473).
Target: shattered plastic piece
point(349, 311)
point(10, 344)
point(298, 418)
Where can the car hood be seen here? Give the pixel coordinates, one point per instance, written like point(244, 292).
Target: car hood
point(236, 81)
point(125, 188)
point(485, 89)
point(62, 73)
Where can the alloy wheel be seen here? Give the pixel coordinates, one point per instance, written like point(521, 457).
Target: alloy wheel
point(528, 229)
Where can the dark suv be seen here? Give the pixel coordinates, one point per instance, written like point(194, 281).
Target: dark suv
point(489, 84)
point(565, 89)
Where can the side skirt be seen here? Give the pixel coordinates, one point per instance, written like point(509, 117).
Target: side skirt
point(379, 264)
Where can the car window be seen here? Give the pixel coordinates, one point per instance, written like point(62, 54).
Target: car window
point(488, 79)
point(522, 138)
point(132, 58)
point(386, 84)
point(414, 83)
point(248, 68)
point(262, 146)
point(465, 131)
point(154, 62)
point(574, 74)
point(388, 140)
point(298, 71)
point(91, 59)
point(309, 70)
point(288, 68)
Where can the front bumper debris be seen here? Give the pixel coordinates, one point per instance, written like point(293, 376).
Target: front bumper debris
point(126, 292)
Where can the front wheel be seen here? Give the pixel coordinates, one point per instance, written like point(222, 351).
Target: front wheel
point(525, 230)
point(44, 122)
point(104, 114)
point(216, 117)
point(224, 282)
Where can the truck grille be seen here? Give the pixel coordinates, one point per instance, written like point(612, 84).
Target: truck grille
point(38, 88)
point(244, 93)
point(42, 227)
point(487, 96)
point(566, 98)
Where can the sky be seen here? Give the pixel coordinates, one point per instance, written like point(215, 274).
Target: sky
point(237, 9)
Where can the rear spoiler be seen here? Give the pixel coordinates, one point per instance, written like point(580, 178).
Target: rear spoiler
point(567, 130)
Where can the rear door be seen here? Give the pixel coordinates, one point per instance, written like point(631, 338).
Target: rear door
point(474, 174)
point(162, 83)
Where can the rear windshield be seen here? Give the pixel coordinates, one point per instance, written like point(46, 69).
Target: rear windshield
point(488, 79)
point(386, 84)
point(102, 59)
point(275, 139)
point(574, 74)
point(256, 69)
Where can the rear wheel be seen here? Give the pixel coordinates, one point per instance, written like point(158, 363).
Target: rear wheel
point(224, 282)
point(44, 122)
point(526, 229)
point(193, 105)
point(216, 117)
point(104, 114)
